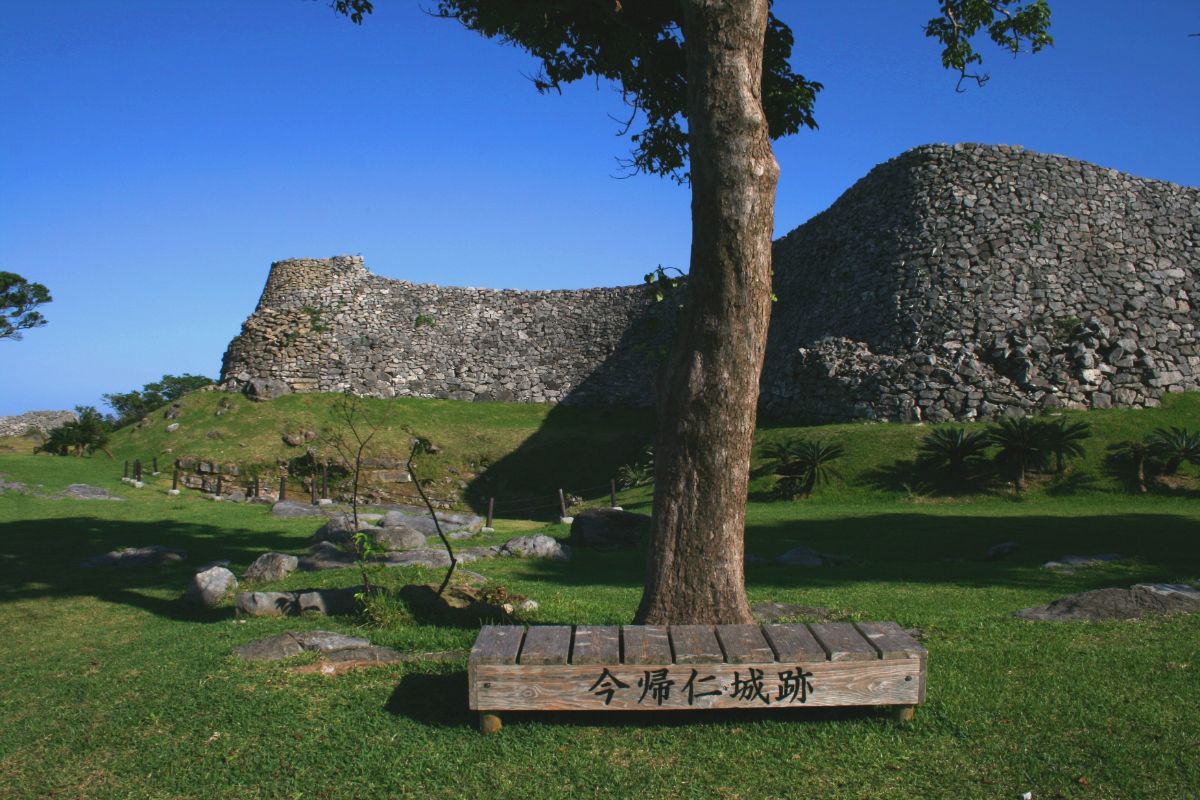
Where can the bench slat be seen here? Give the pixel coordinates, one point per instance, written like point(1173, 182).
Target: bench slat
point(546, 644)
point(890, 640)
point(695, 644)
point(597, 644)
point(744, 644)
point(794, 643)
point(843, 642)
point(646, 644)
point(497, 644)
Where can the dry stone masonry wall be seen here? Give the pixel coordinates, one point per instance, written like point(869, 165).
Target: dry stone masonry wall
point(952, 282)
point(35, 422)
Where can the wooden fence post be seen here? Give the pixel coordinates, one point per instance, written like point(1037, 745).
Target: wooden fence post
point(612, 494)
point(562, 502)
point(282, 488)
point(125, 474)
point(175, 480)
point(155, 465)
point(137, 469)
point(491, 508)
point(325, 479)
point(219, 486)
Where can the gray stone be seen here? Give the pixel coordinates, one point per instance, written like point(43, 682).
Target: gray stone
point(400, 537)
point(174, 426)
point(537, 546)
point(271, 567)
point(606, 527)
point(1068, 562)
point(290, 508)
point(418, 558)
point(153, 555)
point(81, 491)
point(1001, 550)
point(265, 604)
point(293, 439)
point(469, 554)
point(211, 587)
point(339, 528)
point(1141, 600)
point(266, 388)
point(801, 557)
point(328, 641)
point(326, 555)
point(273, 648)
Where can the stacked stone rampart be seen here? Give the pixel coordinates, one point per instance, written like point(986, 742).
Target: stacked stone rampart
point(34, 422)
point(950, 282)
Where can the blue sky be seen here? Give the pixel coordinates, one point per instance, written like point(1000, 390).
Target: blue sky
point(157, 155)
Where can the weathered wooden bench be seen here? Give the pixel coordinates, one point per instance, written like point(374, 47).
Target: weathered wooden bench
point(682, 667)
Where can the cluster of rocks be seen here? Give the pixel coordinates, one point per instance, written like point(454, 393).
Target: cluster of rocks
point(40, 422)
point(952, 282)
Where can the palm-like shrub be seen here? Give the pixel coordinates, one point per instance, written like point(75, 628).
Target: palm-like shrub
point(952, 450)
point(1135, 454)
point(1174, 446)
point(89, 432)
point(803, 465)
point(1062, 440)
point(1021, 447)
point(640, 472)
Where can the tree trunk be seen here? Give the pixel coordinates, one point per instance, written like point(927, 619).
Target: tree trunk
point(1140, 464)
point(708, 391)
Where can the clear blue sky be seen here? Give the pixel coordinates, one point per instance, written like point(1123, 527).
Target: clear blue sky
point(157, 155)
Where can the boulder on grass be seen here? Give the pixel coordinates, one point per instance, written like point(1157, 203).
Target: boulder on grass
point(271, 567)
point(803, 557)
point(608, 527)
point(339, 528)
point(266, 388)
point(398, 537)
point(537, 546)
point(326, 555)
point(153, 555)
point(211, 586)
point(317, 601)
point(1141, 600)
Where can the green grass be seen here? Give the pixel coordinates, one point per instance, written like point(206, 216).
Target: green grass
point(114, 688)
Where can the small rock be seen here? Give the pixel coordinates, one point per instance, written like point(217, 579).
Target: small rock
point(273, 648)
point(266, 604)
point(149, 556)
point(172, 492)
point(802, 557)
point(174, 426)
point(211, 586)
point(326, 555)
point(1067, 562)
point(526, 606)
point(271, 567)
point(266, 388)
point(537, 546)
point(293, 439)
point(339, 528)
point(1001, 550)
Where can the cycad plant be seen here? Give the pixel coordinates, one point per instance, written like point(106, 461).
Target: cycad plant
point(952, 450)
point(1135, 454)
point(1021, 447)
point(802, 465)
point(1174, 446)
point(1062, 440)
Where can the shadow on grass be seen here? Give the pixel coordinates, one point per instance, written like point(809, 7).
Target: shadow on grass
point(41, 558)
point(437, 700)
point(934, 549)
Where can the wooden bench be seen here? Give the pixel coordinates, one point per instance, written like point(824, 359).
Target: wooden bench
point(693, 667)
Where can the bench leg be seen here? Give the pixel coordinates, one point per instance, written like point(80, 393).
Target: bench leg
point(903, 713)
point(489, 723)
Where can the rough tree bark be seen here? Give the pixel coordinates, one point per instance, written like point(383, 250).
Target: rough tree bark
point(708, 392)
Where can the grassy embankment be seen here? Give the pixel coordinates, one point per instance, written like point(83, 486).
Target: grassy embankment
point(114, 688)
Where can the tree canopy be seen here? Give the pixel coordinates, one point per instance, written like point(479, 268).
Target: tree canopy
point(640, 46)
point(19, 300)
point(134, 404)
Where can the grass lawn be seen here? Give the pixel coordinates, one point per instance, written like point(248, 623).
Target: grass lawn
point(113, 687)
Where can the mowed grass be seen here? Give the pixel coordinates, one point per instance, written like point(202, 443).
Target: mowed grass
point(113, 687)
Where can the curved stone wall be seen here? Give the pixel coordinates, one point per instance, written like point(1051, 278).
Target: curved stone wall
point(950, 282)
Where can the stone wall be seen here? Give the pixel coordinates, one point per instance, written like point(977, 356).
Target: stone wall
point(34, 422)
point(329, 325)
point(950, 282)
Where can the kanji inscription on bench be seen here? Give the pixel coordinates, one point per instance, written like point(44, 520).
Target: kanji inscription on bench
point(680, 667)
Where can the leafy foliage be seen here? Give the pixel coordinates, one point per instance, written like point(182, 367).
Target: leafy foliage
point(19, 300)
point(640, 472)
point(1133, 455)
point(1061, 439)
point(952, 450)
point(134, 405)
point(802, 465)
point(1021, 447)
point(641, 47)
point(1173, 446)
point(88, 433)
